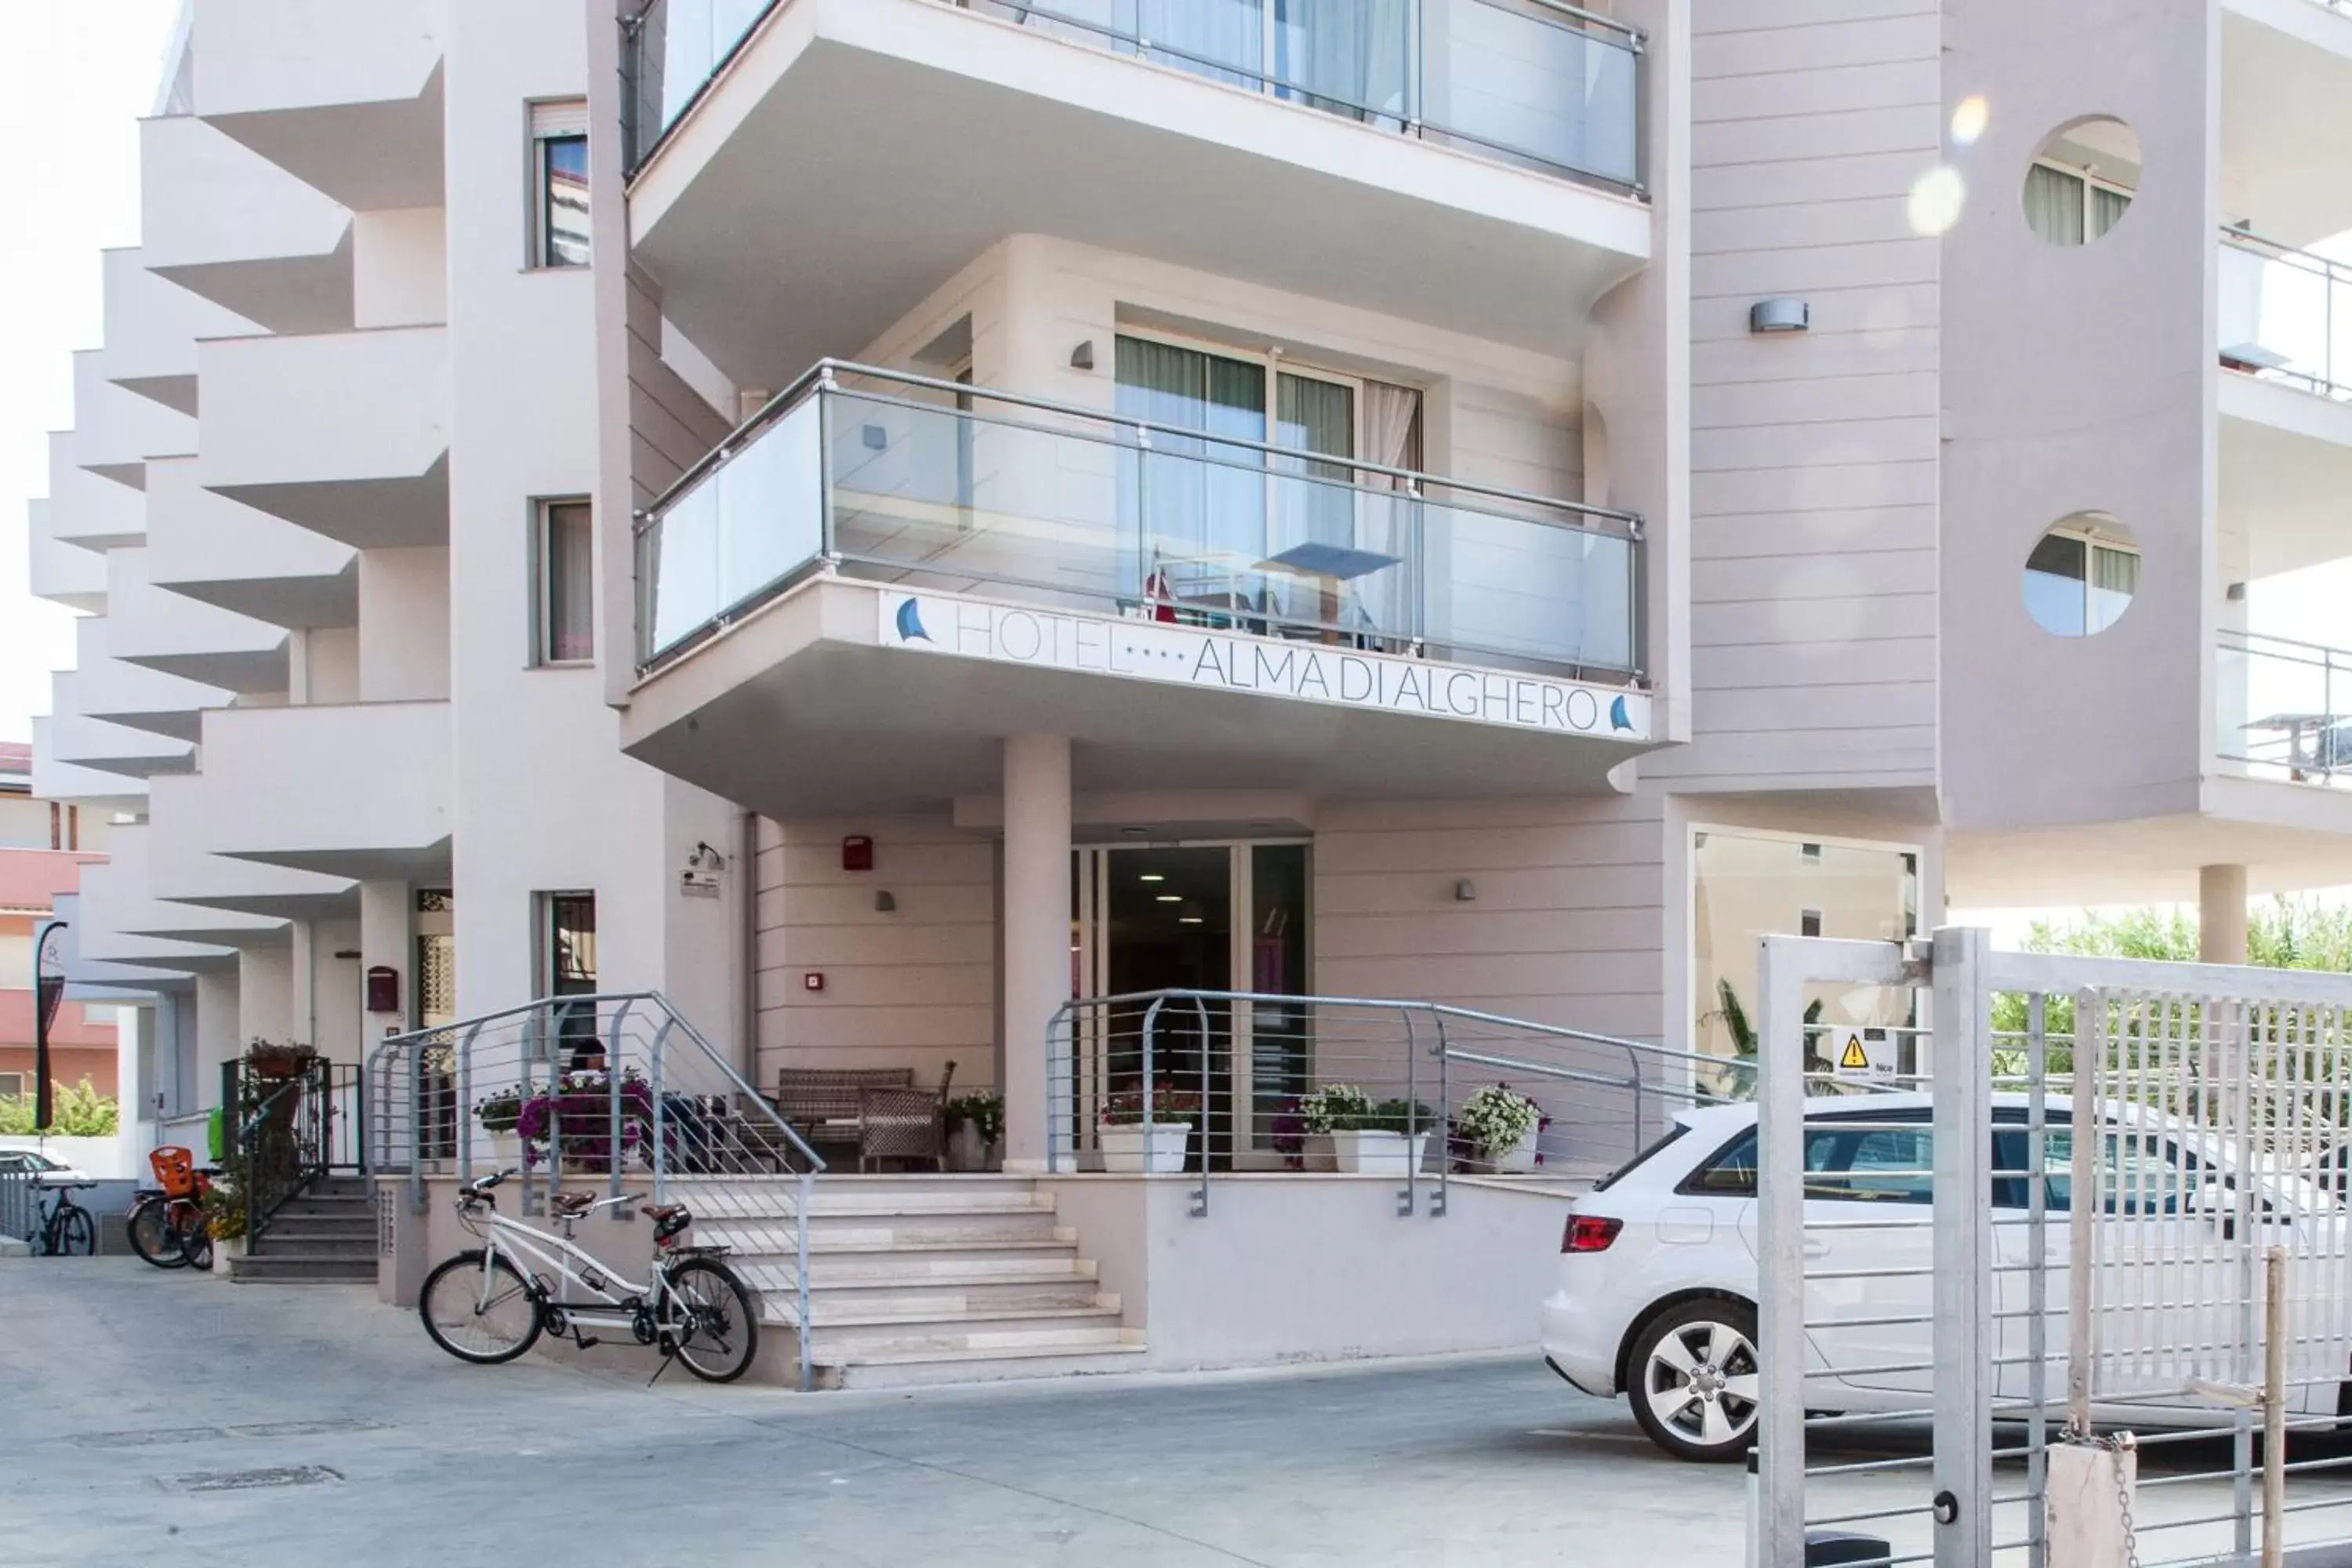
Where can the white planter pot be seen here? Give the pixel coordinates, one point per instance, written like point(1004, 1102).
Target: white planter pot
point(1518, 1160)
point(505, 1152)
point(1318, 1157)
point(1140, 1146)
point(1378, 1153)
point(223, 1251)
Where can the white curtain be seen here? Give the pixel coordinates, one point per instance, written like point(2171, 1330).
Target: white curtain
point(1224, 31)
point(2053, 204)
point(1389, 518)
point(1347, 56)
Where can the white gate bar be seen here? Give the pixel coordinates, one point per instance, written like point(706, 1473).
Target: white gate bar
point(1785, 965)
point(1961, 1096)
point(2064, 975)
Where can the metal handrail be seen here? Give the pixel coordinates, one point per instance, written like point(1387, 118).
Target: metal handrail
point(1636, 42)
point(825, 371)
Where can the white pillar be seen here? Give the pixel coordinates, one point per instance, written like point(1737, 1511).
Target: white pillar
point(1036, 930)
point(2221, 914)
point(385, 940)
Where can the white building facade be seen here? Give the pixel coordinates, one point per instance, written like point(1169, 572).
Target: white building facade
point(876, 518)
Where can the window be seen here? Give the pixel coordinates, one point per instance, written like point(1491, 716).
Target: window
point(2080, 578)
point(1638, 1161)
point(1809, 922)
point(563, 589)
point(1868, 1163)
point(2066, 206)
point(567, 962)
point(559, 155)
point(11, 1086)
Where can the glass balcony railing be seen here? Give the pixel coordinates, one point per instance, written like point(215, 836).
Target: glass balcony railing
point(2286, 315)
point(1535, 82)
point(2283, 708)
point(905, 480)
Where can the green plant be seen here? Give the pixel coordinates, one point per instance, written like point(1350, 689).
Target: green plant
point(77, 1112)
point(1168, 1104)
point(224, 1208)
point(1402, 1116)
point(985, 1113)
point(1338, 1108)
point(499, 1113)
point(1497, 1120)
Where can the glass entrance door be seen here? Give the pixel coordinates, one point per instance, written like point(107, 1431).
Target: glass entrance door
point(1200, 917)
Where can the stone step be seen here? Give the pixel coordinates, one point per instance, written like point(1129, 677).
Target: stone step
point(1046, 1355)
point(841, 1337)
point(932, 1273)
point(287, 1270)
point(275, 1246)
point(287, 1222)
point(780, 1234)
point(922, 1304)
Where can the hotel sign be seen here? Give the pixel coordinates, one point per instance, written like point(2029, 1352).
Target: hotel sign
point(1267, 667)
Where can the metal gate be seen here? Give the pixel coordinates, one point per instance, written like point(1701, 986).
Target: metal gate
point(1967, 1299)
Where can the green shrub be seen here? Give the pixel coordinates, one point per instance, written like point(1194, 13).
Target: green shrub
point(77, 1112)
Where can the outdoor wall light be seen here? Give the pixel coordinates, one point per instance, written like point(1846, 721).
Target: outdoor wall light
point(1466, 890)
point(1083, 356)
point(1779, 316)
point(876, 438)
point(886, 902)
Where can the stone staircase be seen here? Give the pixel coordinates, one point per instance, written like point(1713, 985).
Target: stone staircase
point(327, 1235)
point(918, 1279)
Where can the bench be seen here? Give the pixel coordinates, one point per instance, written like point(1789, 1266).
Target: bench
point(876, 1110)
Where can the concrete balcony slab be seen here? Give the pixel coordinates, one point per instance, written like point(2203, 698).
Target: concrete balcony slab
point(360, 790)
point(224, 222)
point(162, 630)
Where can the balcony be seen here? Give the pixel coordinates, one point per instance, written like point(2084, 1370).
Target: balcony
point(203, 546)
point(60, 573)
point(151, 328)
point(115, 431)
point(134, 695)
point(346, 434)
point(181, 811)
point(221, 221)
point(2287, 316)
point(2284, 323)
point(1150, 588)
point(2287, 114)
point(86, 510)
point(79, 741)
point(129, 901)
point(935, 131)
point(161, 630)
point(358, 789)
point(347, 98)
point(2284, 709)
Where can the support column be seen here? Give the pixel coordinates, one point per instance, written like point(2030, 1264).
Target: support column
point(2221, 914)
point(385, 940)
point(1036, 930)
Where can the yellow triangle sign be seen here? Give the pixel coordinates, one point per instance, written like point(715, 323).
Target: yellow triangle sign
point(1854, 1060)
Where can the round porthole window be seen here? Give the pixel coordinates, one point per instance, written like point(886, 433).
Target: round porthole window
point(2082, 180)
point(2082, 575)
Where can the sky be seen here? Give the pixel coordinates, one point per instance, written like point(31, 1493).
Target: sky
point(74, 81)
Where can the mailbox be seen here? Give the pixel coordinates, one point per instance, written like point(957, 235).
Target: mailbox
point(384, 989)
point(858, 852)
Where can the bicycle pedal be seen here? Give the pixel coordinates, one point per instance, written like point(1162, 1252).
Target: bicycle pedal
point(588, 1344)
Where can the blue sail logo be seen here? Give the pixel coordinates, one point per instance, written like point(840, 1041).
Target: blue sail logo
point(1618, 718)
point(910, 623)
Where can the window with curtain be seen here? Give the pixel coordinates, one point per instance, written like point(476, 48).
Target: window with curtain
point(567, 610)
point(1202, 35)
point(559, 134)
point(1192, 508)
point(1349, 56)
point(2079, 586)
point(2067, 208)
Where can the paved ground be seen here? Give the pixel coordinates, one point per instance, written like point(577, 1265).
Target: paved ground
point(131, 1400)
point(122, 1382)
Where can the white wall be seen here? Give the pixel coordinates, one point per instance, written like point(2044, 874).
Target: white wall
point(399, 271)
point(404, 630)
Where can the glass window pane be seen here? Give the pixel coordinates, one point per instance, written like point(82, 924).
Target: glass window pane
point(2054, 587)
point(2107, 210)
point(2053, 204)
point(563, 214)
point(567, 553)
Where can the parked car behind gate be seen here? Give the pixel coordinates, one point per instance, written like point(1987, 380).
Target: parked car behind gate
point(1657, 1276)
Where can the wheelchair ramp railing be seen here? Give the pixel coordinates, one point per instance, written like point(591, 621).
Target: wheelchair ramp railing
point(613, 1092)
point(1269, 1081)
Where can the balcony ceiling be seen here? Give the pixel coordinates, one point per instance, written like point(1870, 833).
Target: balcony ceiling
point(368, 156)
point(2286, 118)
point(2286, 475)
point(860, 152)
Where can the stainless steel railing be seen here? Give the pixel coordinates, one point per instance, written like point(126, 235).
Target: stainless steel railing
point(2282, 708)
point(1538, 83)
point(614, 1090)
point(903, 479)
point(1266, 1081)
point(2285, 314)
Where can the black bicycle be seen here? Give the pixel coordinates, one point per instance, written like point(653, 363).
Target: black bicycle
point(65, 1230)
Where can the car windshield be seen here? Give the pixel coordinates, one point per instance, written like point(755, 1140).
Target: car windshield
point(1629, 1166)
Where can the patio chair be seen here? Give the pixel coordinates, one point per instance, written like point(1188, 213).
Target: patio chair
point(904, 1123)
point(821, 1104)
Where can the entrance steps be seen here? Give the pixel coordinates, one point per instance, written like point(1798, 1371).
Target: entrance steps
point(325, 1235)
point(917, 1279)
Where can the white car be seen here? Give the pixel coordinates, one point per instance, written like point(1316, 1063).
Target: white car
point(1657, 1281)
point(46, 1172)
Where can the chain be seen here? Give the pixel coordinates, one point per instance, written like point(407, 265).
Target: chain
point(2115, 1447)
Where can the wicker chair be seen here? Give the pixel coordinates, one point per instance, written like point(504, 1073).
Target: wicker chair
point(904, 1123)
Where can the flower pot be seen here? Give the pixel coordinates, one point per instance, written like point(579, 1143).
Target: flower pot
point(966, 1151)
point(1518, 1160)
point(1317, 1156)
point(505, 1150)
point(1363, 1153)
point(275, 1064)
point(223, 1251)
point(1134, 1146)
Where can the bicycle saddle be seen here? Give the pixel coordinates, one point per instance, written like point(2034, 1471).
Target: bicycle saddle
point(659, 1212)
point(570, 1203)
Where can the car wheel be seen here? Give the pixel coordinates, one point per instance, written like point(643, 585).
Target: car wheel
point(1693, 1383)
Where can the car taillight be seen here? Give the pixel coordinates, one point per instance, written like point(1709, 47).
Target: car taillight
point(1590, 1233)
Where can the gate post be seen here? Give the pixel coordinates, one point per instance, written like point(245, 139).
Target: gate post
point(1781, 1237)
point(1964, 1349)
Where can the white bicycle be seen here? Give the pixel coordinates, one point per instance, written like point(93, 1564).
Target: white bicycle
point(485, 1307)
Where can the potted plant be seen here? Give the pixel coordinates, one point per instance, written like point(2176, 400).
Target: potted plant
point(1499, 1125)
point(1130, 1145)
point(573, 1121)
point(497, 1113)
point(976, 1129)
point(272, 1060)
point(1349, 1131)
point(224, 1208)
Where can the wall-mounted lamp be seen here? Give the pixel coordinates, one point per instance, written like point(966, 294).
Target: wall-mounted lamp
point(1779, 316)
point(1083, 356)
point(1466, 890)
point(2237, 592)
point(884, 902)
point(876, 438)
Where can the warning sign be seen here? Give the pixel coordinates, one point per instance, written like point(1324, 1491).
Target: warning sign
point(1861, 1056)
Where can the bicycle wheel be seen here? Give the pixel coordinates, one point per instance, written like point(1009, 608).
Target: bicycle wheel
point(152, 1235)
point(722, 1321)
point(194, 1231)
point(480, 1310)
point(72, 1232)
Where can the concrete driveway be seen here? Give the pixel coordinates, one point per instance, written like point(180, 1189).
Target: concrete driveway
point(153, 1417)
